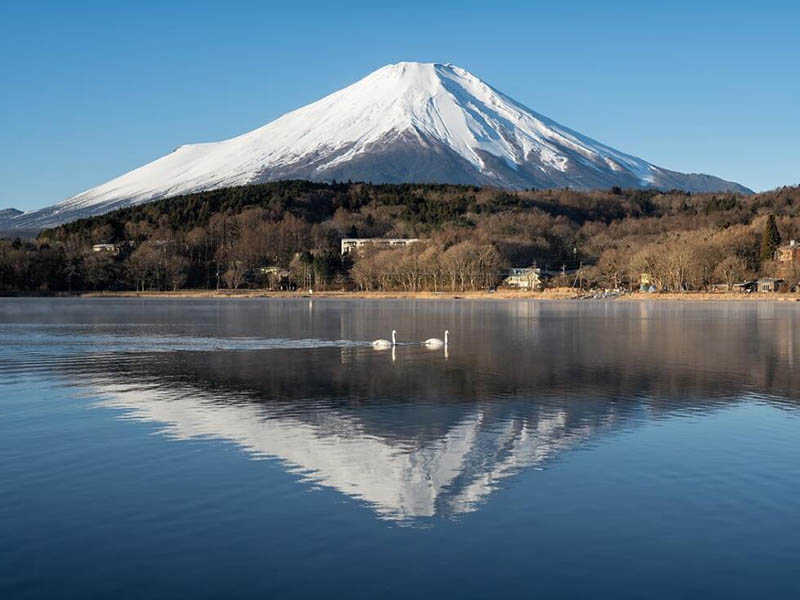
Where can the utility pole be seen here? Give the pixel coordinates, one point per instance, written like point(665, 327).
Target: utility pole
point(579, 276)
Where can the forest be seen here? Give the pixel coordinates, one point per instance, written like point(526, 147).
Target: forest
point(286, 235)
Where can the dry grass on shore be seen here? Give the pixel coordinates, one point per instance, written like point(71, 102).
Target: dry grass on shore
point(714, 297)
point(555, 293)
point(548, 294)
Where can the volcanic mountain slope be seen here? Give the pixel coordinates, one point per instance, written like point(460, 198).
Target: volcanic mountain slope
point(7, 216)
point(408, 122)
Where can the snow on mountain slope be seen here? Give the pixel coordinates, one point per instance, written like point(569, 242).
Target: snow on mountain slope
point(408, 122)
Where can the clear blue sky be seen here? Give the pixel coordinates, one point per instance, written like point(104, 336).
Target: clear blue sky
point(93, 90)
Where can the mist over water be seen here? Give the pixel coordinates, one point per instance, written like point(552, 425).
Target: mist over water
point(229, 448)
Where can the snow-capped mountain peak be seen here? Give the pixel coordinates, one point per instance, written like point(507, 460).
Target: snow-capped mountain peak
point(405, 122)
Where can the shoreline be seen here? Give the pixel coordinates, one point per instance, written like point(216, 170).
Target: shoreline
point(549, 294)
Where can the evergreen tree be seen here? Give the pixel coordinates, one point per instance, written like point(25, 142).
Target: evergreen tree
point(770, 239)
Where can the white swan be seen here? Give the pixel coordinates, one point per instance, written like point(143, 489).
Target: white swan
point(436, 342)
point(385, 344)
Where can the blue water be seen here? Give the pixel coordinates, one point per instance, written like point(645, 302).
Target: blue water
point(242, 448)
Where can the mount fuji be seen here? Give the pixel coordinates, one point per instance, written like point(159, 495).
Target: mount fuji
point(406, 122)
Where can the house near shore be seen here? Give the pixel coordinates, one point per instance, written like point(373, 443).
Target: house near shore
point(274, 273)
point(788, 253)
point(647, 283)
point(745, 286)
point(788, 259)
point(272, 276)
point(357, 245)
point(526, 278)
point(771, 284)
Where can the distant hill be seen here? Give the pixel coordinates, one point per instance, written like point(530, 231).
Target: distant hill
point(8, 230)
point(428, 207)
point(7, 214)
point(288, 234)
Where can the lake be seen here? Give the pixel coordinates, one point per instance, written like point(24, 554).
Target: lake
point(202, 448)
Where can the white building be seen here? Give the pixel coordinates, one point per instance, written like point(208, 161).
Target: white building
point(527, 278)
point(111, 248)
point(350, 245)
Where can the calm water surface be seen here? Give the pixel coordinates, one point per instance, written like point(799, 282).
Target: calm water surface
point(262, 448)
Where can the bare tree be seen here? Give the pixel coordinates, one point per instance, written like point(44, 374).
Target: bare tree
point(234, 276)
point(176, 269)
point(730, 270)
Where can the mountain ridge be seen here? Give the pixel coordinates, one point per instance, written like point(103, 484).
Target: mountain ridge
point(406, 122)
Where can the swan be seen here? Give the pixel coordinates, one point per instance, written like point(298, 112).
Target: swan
point(384, 344)
point(436, 342)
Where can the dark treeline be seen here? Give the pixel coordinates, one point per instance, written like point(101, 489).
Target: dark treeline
point(287, 234)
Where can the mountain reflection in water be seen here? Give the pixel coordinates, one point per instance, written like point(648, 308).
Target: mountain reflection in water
point(413, 433)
